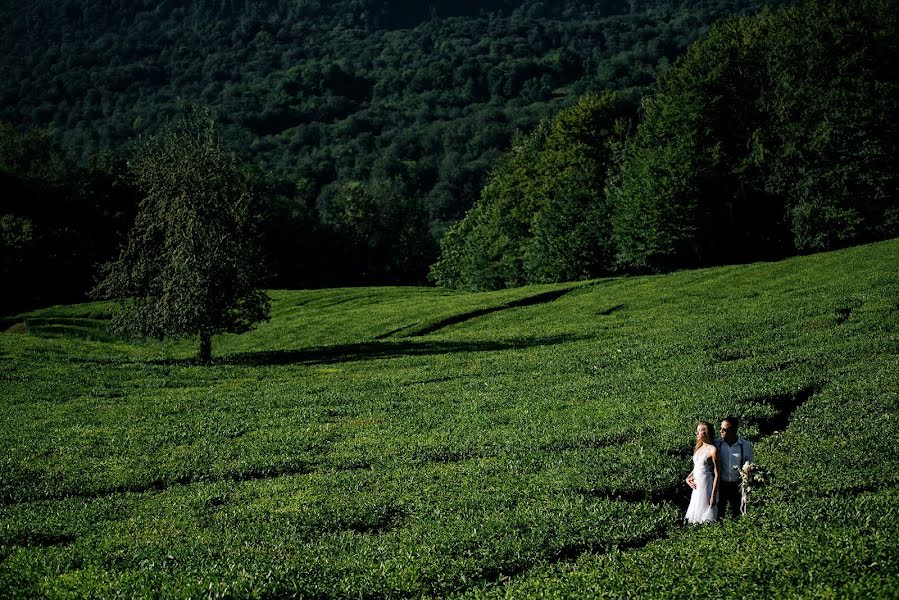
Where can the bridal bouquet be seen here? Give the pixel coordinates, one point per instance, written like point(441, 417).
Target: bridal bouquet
point(752, 477)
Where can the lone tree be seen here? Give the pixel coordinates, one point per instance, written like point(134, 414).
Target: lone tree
point(191, 264)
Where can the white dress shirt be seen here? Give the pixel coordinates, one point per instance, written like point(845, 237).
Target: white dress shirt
point(731, 458)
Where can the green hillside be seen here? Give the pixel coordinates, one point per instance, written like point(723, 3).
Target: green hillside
point(403, 442)
point(324, 92)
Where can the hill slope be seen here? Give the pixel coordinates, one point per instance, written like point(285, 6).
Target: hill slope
point(318, 92)
point(411, 441)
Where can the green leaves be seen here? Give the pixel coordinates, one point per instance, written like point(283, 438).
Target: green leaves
point(542, 216)
point(191, 265)
point(771, 136)
point(420, 442)
point(768, 137)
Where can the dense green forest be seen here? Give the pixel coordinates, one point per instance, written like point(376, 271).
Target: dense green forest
point(576, 139)
point(774, 135)
point(418, 98)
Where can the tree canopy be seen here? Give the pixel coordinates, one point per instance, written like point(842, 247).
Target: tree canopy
point(376, 126)
point(58, 219)
point(776, 134)
point(191, 265)
point(426, 94)
point(542, 215)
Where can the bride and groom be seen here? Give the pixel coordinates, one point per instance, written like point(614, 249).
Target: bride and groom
point(715, 478)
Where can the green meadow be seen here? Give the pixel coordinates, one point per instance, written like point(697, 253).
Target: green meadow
point(407, 442)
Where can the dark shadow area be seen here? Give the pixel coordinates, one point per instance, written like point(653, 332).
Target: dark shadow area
point(87, 322)
point(726, 355)
point(444, 455)
point(611, 310)
point(384, 522)
point(784, 405)
point(497, 577)
point(573, 552)
point(216, 502)
point(677, 493)
point(843, 314)
point(36, 539)
point(644, 540)
point(78, 327)
point(163, 483)
point(543, 298)
point(372, 350)
point(346, 464)
point(435, 380)
point(343, 301)
point(384, 336)
point(783, 365)
point(719, 348)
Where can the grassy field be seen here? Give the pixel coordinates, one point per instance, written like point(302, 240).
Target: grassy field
point(402, 442)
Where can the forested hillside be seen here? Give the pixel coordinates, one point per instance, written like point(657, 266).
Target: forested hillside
point(597, 137)
point(773, 135)
point(428, 93)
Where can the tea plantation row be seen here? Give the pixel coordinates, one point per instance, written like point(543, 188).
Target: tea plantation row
point(402, 442)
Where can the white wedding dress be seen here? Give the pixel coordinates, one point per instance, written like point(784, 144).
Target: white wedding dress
point(699, 510)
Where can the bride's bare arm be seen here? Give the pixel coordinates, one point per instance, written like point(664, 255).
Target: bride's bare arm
point(691, 481)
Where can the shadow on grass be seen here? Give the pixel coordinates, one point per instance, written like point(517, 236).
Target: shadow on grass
point(498, 577)
point(37, 539)
point(784, 406)
point(373, 350)
point(611, 310)
point(542, 298)
point(677, 493)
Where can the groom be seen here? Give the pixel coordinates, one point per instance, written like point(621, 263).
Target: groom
point(733, 451)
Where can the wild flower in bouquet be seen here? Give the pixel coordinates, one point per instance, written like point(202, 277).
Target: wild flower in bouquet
point(752, 477)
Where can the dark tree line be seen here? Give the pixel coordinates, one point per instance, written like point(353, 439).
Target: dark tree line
point(543, 215)
point(59, 219)
point(326, 93)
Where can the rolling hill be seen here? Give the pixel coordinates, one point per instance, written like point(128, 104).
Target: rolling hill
point(405, 442)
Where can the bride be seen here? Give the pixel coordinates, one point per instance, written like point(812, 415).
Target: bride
point(703, 503)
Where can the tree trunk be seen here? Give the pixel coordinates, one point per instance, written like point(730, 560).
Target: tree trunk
point(205, 347)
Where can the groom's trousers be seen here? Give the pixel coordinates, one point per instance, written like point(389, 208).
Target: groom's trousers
point(729, 497)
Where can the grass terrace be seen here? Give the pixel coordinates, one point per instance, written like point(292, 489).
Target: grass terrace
point(405, 442)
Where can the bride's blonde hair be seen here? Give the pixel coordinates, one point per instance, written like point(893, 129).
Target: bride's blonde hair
point(707, 438)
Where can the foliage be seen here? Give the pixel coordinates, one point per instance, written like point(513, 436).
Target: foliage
point(542, 215)
point(57, 219)
point(325, 93)
point(387, 231)
point(741, 155)
point(835, 144)
point(191, 263)
point(773, 135)
point(421, 442)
